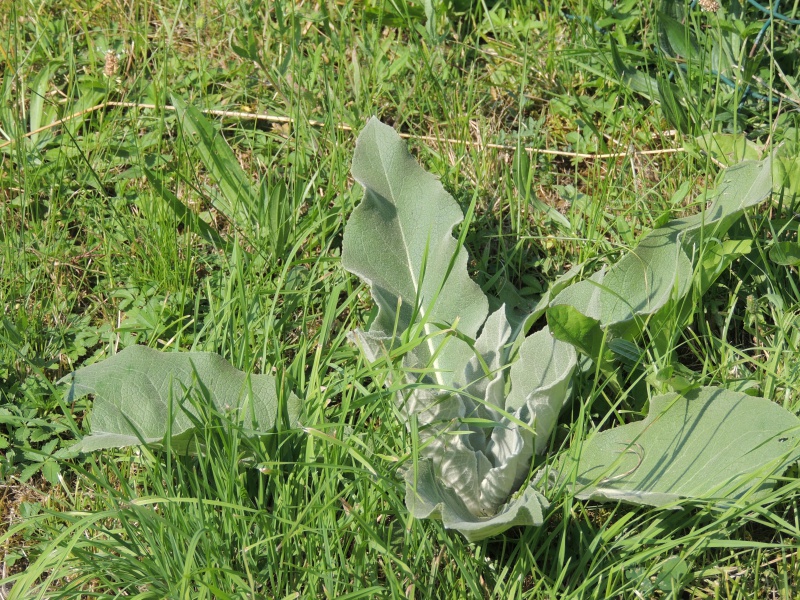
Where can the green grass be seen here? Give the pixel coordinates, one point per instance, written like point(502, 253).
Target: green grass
point(93, 259)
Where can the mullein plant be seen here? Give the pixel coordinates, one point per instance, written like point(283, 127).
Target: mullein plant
point(479, 421)
point(482, 398)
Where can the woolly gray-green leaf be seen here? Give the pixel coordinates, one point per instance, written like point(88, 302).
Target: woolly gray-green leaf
point(660, 267)
point(482, 375)
point(427, 498)
point(475, 449)
point(708, 444)
point(399, 240)
point(138, 389)
point(540, 382)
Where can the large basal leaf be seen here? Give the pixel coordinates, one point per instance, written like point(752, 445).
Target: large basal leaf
point(661, 266)
point(427, 498)
point(399, 240)
point(541, 379)
point(475, 449)
point(708, 444)
point(138, 389)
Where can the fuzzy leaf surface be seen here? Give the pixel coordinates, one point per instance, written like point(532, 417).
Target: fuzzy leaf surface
point(475, 449)
point(399, 240)
point(426, 498)
point(541, 380)
point(138, 389)
point(709, 443)
point(661, 266)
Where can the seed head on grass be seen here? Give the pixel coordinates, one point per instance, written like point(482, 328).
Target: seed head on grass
point(709, 5)
point(111, 65)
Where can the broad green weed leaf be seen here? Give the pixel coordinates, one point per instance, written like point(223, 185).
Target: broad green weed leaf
point(138, 389)
point(673, 572)
point(426, 498)
point(490, 355)
point(728, 56)
point(240, 198)
point(556, 287)
point(399, 240)
point(743, 185)
point(585, 295)
point(9, 120)
point(728, 148)
point(786, 166)
point(717, 257)
point(541, 379)
point(785, 254)
point(475, 387)
point(661, 266)
point(582, 332)
point(708, 444)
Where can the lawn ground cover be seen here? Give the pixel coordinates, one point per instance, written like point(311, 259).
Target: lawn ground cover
point(567, 131)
